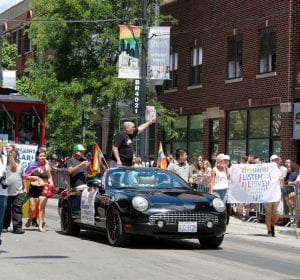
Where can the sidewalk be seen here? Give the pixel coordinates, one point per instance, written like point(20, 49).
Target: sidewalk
point(284, 235)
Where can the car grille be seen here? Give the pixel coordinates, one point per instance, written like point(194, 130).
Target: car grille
point(174, 217)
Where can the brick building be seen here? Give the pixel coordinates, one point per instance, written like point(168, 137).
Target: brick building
point(233, 69)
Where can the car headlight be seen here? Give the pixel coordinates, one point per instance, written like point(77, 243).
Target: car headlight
point(218, 204)
point(140, 203)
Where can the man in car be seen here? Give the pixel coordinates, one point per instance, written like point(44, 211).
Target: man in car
point(122, 150)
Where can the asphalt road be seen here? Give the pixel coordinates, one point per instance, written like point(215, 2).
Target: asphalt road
point(246, 253)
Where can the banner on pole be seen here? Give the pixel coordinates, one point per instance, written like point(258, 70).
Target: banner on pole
point(254, 183)
point(159, 53)
point(129, 67)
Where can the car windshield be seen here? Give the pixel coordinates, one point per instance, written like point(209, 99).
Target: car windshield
point(144, 178)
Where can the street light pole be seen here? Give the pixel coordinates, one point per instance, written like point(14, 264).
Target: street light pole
point(144, 147)
point(1, 47)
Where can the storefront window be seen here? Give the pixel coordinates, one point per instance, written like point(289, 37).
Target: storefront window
point(237, 124)
point(254, 132)
point(190, 133)
point(259, 122)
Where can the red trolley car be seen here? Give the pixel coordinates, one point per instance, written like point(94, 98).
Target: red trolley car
point(22, 119)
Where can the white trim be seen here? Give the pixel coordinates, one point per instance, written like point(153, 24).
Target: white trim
point(170, 90)
point(194, 87)
point(236, 80)
point(266, 75)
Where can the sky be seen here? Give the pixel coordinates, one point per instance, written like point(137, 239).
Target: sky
point(6, 4)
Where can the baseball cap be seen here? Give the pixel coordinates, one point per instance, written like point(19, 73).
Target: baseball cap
point(220, 157)
point(226, 157)
point(273, 157)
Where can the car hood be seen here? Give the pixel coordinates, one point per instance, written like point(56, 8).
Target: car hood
point(174, 199)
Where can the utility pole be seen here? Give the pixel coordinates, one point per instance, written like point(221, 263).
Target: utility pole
point(144, 145)
point(1, 47)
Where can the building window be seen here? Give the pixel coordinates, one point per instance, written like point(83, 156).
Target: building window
point(190, 136)
point(267, 51)
point(235, 57)
point(254, 132)
point(172, 83)
point(27, 43)
point(196, 66)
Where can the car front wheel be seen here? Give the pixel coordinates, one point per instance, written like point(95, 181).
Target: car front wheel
point(211, 242)
point(66, 222)
point(114, 229)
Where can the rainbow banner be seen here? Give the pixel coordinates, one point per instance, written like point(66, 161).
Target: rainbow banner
point(161, 158)
point(97, 162)
point(129, 37)
point(254, 183)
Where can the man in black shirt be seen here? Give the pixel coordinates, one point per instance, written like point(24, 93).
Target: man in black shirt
point(77, 166)
point(122, 143)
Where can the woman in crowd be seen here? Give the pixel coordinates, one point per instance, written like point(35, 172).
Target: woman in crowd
point(219, 181)
point(288, 189)
point(39, 175)
point(14, 173)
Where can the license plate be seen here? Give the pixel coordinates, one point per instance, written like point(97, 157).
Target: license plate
point(187, 226)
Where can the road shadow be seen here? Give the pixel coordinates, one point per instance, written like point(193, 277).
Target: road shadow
point(145, 243)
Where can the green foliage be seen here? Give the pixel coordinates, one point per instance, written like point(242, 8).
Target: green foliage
point(76, 68)
point(9, 55)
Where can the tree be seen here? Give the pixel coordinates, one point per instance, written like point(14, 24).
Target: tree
point(9, 55)
point(77, 49)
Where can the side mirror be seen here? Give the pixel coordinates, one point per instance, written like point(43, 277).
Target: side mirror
point(194, 186)
point(96, 183)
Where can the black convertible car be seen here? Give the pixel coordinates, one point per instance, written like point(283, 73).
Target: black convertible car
point(144, 201)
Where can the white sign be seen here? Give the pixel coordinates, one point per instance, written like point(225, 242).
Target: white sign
point(9, 79)
point(150, 113)
point(87, 206)
point(254, 183)
point(26, 154)
point(159, 52)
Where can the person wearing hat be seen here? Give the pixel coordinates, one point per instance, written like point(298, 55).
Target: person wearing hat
point(271, 208)
point(219, 179)
point(77, 166)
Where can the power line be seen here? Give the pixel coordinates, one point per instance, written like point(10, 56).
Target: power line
point(70, 20)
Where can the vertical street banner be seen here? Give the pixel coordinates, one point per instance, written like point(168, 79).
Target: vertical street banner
point(159, 52)
point(296, 122)
point(254, 183)
point(129, 37)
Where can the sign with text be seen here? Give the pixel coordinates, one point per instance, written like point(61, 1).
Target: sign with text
point(26, 154)
point(88, 206)
point(254, 183)
point(129, 52)
point(159, 52)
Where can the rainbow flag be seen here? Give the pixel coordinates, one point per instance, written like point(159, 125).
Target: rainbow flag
point(97, 162)
point(161, 158)
point(32, 166)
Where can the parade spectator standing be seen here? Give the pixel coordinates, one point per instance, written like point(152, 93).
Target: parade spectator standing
point(3, 184)
point(16, 194)
point(271, 208)
point(39, 176)
point(180, 166)
point(219, 182)
point(288, 190)
point(122, 150)
point(77, 166)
